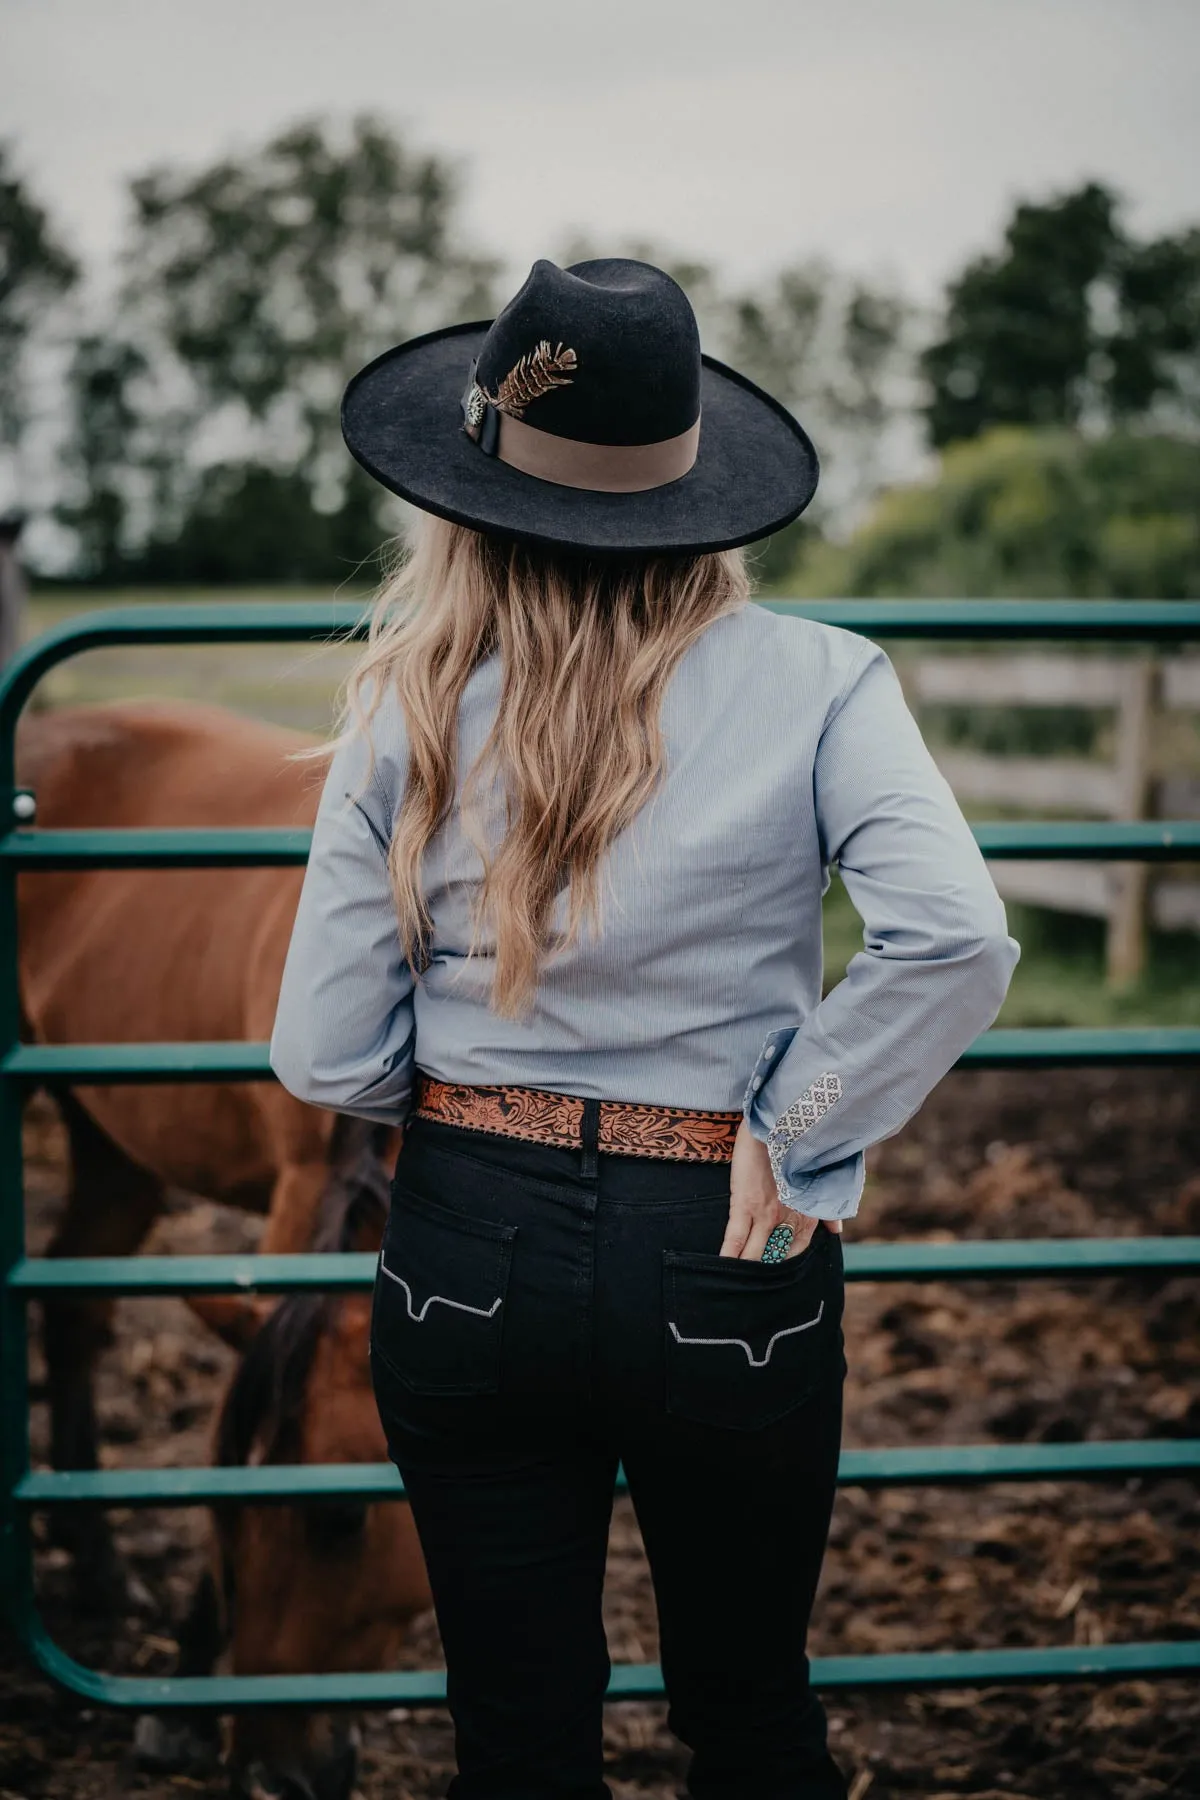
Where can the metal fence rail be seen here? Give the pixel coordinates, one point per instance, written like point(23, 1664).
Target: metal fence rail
point(22, 1490)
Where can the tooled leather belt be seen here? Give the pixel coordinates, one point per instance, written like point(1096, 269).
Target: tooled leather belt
point(624, 1127)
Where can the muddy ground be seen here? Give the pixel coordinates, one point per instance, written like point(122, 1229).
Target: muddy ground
point(992, 1155)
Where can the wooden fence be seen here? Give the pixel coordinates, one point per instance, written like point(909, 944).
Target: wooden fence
point(1137, 783)
point(12, 588)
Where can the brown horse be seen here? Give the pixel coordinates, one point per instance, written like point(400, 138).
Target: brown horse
point(138, 955)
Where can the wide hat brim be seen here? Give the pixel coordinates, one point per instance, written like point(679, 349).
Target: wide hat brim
point(756, 469)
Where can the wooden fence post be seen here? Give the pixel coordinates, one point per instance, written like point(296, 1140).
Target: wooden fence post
point(1126, 945)
point(1127, 897)
point(12, 588)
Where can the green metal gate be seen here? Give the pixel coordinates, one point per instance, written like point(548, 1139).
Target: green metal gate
point(23, 1490)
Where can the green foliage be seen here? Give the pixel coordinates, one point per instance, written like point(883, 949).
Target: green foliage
point(272, 276)
point(101, 446)
point(1060, 977)
point(832, 349)
point(204, 414)
point(1030, 514)
point(35, 270)
point(1072, 322)
point(252, 291)
point(1012, 730)
point(247, 523)
point(771, 560)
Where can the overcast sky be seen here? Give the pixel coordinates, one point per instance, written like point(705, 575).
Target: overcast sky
point(888, 135)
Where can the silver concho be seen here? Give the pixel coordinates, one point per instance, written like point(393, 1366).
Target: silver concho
point(474, 408)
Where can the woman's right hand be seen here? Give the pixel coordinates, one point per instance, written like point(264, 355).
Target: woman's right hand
point(755, 1208)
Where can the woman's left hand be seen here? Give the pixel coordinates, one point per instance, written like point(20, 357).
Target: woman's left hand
point(755, 1208)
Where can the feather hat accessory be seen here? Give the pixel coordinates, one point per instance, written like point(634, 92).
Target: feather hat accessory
point(584, 416)
point(538, 372)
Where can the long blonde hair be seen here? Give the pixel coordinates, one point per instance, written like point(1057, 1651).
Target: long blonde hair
point(587, 646)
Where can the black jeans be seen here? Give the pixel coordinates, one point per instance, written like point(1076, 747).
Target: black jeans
point(540, 1314)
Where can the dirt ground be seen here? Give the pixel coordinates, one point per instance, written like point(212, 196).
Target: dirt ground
point(992, 1155)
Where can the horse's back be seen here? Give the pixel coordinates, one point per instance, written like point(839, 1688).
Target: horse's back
point(134, 955)
point(152, 763)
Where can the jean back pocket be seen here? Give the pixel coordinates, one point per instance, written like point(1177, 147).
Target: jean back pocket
point(747, 1342)
point(440, 1289)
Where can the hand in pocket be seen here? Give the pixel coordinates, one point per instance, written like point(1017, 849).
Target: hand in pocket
point(755, 1208)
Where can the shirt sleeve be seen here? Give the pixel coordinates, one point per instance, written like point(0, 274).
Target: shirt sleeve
point(344, 1033)
point(933, 971)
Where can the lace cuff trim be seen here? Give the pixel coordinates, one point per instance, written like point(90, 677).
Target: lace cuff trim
point(820, 1097)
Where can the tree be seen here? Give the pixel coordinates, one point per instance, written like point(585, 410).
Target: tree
point(1030, 514)
point(1154, 355)
point(269, 278)
point(249, 523)
point(1072, 322)
point(102, 452)
point(832, 348)
point(205, 441)
point(35, 271)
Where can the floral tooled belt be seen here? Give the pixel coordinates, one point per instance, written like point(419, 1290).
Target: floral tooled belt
point(622, 1127)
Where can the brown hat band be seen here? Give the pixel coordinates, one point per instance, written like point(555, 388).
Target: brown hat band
point(604, 468)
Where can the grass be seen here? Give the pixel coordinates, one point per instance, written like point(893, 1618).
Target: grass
point(289, 684)
point(1059, 980)
point(1060, 977)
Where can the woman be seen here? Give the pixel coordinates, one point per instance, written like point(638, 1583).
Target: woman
point(562, 919)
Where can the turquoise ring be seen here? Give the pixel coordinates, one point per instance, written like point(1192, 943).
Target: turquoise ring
point(778, 1244)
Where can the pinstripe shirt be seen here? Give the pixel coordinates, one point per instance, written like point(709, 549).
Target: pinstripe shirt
point(789, 749)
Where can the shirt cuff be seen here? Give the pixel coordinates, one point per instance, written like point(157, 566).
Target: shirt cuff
point(773, 1048)
point(830, 1193)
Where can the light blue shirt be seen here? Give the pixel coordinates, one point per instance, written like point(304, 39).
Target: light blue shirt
point(789, 749)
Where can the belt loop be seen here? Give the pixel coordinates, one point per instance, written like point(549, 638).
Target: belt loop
point(590, 1133)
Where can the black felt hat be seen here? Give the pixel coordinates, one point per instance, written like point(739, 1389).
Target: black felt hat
point(584, 417)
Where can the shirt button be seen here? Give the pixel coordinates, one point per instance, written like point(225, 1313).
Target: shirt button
point(756, 1083)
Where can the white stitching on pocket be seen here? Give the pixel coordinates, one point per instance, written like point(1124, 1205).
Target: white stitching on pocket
point(755, 1362)
point(481, 1312)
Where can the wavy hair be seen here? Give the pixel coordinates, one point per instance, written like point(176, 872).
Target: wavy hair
point(587, 646)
